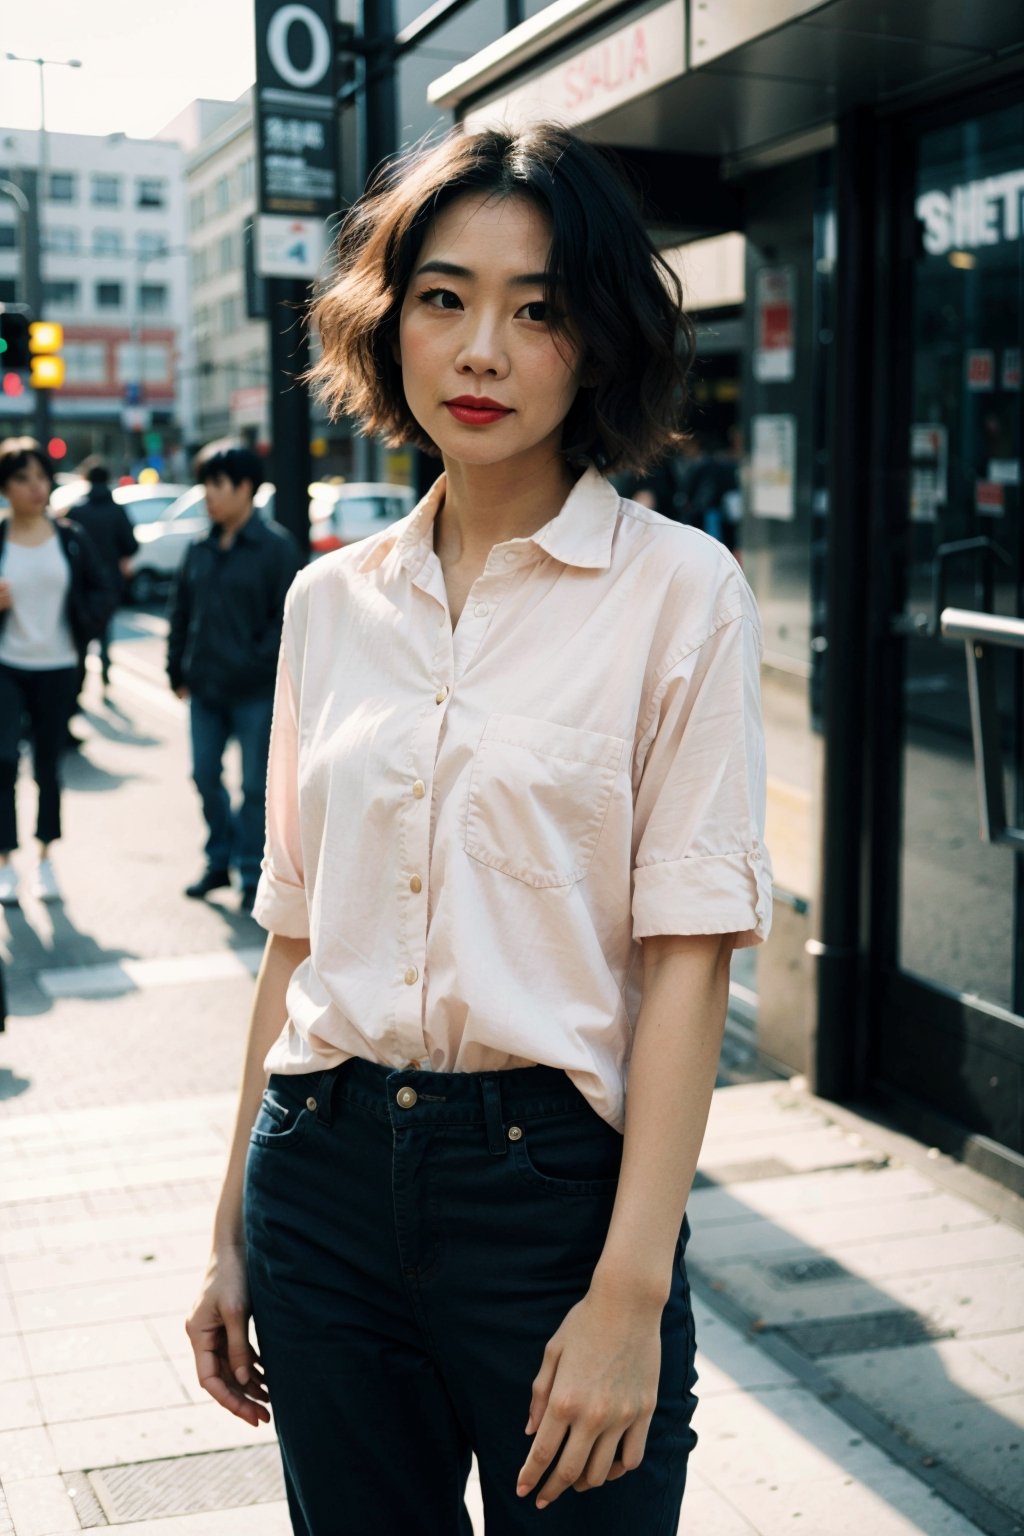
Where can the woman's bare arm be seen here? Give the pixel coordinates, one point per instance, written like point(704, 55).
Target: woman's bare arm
point(599, 1376)
point(218, 1328)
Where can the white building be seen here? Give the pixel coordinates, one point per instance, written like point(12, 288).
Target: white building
point(231, 348)
point(115, 276)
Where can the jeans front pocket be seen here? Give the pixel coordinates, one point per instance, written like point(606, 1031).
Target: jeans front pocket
point(538, 797)
point(569, 1156)
point(283, 1117)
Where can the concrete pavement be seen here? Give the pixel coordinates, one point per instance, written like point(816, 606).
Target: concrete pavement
point(859, 1304)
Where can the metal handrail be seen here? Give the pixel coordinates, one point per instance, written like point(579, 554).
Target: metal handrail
point(981, 634)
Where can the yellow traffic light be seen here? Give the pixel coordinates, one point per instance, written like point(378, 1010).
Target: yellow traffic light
point(45, 336)
point(47, 372)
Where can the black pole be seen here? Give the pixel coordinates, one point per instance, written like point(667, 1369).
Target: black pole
point(380, 105)
point(31, 266)
point(291, 464)
point(837, 1055)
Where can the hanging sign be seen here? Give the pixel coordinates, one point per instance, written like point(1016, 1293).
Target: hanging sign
point(981, 370)
point(296, 132)
point(929, 458)
point(773, 467)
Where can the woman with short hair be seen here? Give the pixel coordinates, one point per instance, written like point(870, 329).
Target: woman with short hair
point(515, 808)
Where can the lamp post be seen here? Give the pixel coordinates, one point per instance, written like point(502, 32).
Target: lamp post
point(34, 269)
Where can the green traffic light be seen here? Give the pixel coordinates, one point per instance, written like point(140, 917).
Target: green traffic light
point(3, 346)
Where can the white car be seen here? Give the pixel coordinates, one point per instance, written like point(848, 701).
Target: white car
point(343, 514)
point(163, 539)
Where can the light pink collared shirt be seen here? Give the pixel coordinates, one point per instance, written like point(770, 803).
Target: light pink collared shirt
point(476, 829)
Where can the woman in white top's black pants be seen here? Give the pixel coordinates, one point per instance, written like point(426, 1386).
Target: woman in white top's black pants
point(53, 597)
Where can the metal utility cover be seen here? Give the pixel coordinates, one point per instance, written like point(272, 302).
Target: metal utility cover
point(188, 1485)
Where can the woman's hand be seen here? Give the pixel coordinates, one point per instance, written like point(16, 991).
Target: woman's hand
point(596, 1391)
point(6, 598)
point(218, 1330)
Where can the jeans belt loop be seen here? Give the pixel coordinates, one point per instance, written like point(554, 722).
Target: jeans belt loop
point(491, 1093)
point(326, 1085)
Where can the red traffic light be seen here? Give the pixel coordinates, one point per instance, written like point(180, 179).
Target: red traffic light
point(13, 385)
point(57, 448)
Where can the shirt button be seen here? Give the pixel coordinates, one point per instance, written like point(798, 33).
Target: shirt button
point(511, 555)
point(412, 975)
point(406, 1098)
point(481, 610)
point(415, 885)
point(419, 789)
point(440, 695)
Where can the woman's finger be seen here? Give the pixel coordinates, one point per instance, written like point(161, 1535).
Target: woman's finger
point(568, 1469)
point(600, 1461)
point(542, 1383)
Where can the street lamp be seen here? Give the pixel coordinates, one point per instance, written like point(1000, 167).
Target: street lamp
point(42, 399)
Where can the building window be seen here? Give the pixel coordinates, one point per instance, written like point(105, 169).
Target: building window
point(152, 359)
point(8, 237)
point(108, 296)
point(247, 179)
point(150, 245)
point(150, 192)
point(60, 293)
point(221, 194)
point(107, 242)
point(196, 210)
point(62, 187)
point(62, 241)
point(152, 298)
point(200, 270)
point(229, 315)
point(86, 362)
point(8, 290)
point(201, 322)
point(106, 191)
point(226, 253)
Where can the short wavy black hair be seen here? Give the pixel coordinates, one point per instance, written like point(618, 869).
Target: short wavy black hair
point(618, 298)
point(235, 460)
point(15, 455)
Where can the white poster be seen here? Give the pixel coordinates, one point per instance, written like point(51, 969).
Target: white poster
point(773, 467)
point(929, 454)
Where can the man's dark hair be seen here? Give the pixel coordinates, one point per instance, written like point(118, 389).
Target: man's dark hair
point(231, 459)
point(608, 289)
point(16, 453)
point(98, 473)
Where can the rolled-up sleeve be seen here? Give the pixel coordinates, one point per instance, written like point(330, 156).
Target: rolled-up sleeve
point(281, 905)
point(700, 865)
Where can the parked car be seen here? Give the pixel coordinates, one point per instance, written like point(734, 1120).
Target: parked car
point(343, 514)
point(164, 538)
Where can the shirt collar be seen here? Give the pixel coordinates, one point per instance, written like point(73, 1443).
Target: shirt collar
point(581, 534)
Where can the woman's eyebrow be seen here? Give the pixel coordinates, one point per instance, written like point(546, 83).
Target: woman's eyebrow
point(451, 269)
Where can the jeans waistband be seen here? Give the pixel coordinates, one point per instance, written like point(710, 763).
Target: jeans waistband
point(408, 1096)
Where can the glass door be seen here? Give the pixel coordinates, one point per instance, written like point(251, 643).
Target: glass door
point(952, 1037)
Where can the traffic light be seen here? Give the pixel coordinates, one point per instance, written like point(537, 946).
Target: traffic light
point(14, 340)
point(46, 338)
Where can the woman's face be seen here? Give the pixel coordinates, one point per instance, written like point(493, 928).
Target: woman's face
point(28, 490)
point(474, 329)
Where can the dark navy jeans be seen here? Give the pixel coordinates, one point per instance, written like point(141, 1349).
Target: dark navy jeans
point(414, 1239)
point(235, 838)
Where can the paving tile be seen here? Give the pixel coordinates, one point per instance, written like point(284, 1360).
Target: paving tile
point(98, 1231)
point(13, 1360)
point(31, 1186)
point(147, 1254)
point(803, 1193)
point(40, 1506)
point(892, 1504)
point(26, 1453)
point(944, 1370)
point(707, 1513)
point(81, 1304)
point(254, 1520)
point(53, 1350)
point(986, 1298)
point(111, 1389)
point(727, 1361)
point(782, 1435)
point(19, 1406)
point(766, 1298)
point(161, 1432)
point(8, 1321)
point(821, 1228)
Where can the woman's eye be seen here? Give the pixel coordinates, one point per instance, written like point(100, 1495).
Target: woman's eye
point(536, 310)
point(441, 298)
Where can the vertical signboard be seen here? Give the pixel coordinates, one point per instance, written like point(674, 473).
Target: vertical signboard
point(295, 107)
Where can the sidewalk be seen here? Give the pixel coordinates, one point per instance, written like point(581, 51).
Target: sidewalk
point(859, 1308)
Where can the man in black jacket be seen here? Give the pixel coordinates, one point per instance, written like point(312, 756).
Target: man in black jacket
point(225, 614)
point(113, 537)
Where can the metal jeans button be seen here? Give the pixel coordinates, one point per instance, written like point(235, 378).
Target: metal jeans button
point(406, 1098)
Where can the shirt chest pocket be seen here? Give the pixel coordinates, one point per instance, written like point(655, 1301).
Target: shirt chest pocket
point(538, 797)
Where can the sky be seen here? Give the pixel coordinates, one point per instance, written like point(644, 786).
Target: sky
point(142, 61)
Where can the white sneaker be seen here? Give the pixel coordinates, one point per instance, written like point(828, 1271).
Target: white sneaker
point(44, 884)
point(8, 885)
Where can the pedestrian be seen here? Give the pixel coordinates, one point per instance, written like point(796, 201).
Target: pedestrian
point(54, 599)
point(514, 833)
point(109, 527)
point(225, 629)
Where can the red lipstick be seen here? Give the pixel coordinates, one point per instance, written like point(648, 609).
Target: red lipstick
point(477, 410)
